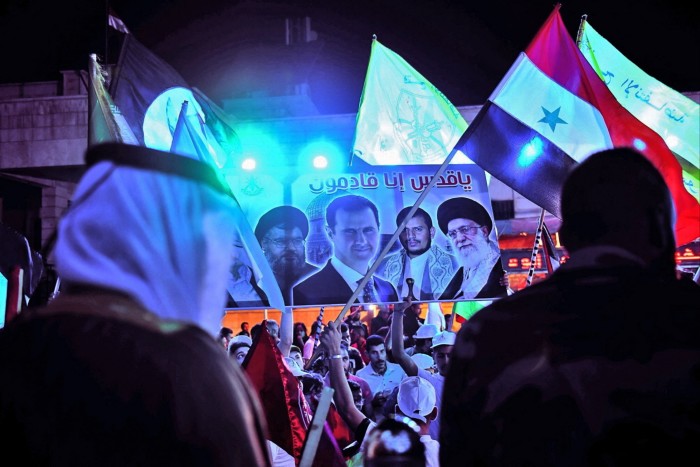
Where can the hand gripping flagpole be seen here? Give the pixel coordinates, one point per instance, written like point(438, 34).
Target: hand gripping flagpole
point(317, 340)
point(399, 229)
point(319, 320)
point(535, 247)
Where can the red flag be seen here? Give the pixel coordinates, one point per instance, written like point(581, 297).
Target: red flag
point(286, 410)
point(328, 453)
point(340, 430)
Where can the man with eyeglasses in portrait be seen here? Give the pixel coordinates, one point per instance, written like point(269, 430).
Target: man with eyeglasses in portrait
point(468, 226)
point(352, 226)
point(282, 233)
point(419, 258)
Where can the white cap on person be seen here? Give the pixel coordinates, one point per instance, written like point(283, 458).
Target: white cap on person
point(416, 397)
point(444, 338)
point(426, 331)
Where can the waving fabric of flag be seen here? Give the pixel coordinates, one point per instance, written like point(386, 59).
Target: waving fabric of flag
point(673, 116)
point(287, 413)
point(403, 118)
point(191, 138)
point(550, 112)
point(550, 254)
point(149, 93)
point(105, 123)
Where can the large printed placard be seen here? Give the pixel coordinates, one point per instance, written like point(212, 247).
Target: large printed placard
point(321, 233)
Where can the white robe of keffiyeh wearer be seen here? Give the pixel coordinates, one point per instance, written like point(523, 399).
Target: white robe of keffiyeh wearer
point(163, 239)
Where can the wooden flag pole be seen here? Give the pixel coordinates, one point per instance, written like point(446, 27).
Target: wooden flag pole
point(313, 436)
point(535, 247)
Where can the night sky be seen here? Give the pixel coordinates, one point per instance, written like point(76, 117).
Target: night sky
point(455, 44)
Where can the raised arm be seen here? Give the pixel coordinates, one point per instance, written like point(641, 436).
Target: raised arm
point(397, 350)
point(330, 339)
point(286, 332)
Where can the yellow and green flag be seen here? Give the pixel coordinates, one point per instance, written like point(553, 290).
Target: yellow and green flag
point(403, 118)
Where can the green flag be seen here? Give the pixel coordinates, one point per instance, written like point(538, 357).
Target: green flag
point(403, 118)
point(669, 113)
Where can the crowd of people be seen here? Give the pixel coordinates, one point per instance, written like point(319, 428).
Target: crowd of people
point(596, 365)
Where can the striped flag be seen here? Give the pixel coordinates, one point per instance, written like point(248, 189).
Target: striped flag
point(550, 112)
point(549, 253)
point(669, 113)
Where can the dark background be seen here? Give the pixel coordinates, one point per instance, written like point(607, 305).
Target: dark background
point(463, 47)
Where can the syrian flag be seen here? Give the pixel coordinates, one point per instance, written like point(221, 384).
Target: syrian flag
point(550, 112)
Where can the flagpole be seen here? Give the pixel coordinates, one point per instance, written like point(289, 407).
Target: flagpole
point(106, 32)
point(535, 247)
point(579, 33)
point(313, 435)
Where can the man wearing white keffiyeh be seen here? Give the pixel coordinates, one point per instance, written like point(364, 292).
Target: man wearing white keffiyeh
point(468, 226)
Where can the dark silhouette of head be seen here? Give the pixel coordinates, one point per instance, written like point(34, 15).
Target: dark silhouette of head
point(616, 197)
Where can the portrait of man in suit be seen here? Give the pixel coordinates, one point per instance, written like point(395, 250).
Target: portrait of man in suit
point(352, 225)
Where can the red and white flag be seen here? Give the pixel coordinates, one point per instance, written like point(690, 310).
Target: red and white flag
point(549, 113)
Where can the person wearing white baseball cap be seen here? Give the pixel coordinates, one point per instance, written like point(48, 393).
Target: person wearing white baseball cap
point(423, 340)
point(441, 347)
point(416, 400)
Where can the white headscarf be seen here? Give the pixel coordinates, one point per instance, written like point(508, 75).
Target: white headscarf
point(163, 239)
